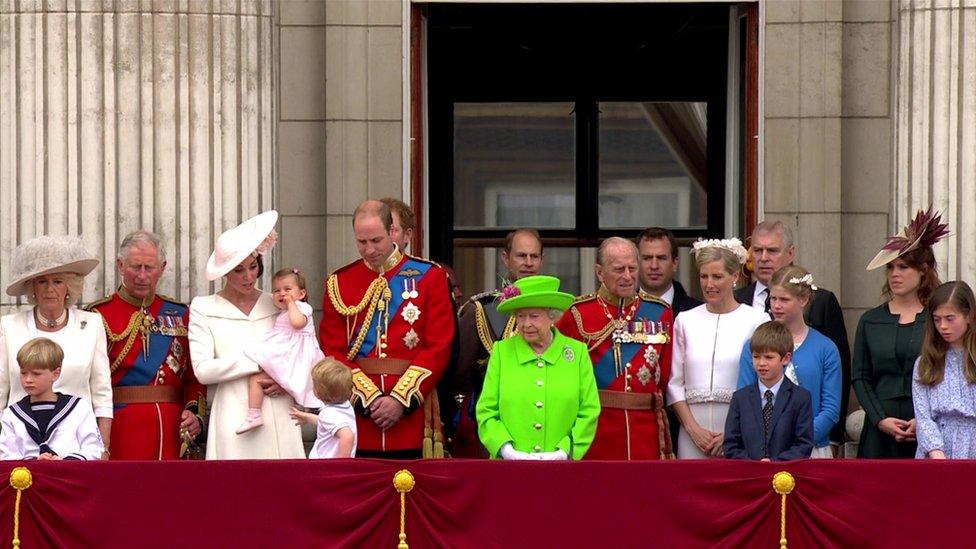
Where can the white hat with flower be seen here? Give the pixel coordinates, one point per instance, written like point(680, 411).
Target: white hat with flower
point(253, 236)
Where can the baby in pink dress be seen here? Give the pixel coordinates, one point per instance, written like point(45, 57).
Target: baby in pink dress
point(287, 352)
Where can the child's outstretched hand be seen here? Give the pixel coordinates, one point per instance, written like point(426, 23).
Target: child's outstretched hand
point(301, 417)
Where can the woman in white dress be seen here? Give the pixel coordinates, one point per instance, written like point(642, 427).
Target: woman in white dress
point(707, 344)
point(50, 272)
point(220, 327)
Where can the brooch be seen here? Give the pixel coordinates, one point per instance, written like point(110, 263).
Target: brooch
point(410, 313)
point(644, 375)
point(411, 339)
point(568, 354)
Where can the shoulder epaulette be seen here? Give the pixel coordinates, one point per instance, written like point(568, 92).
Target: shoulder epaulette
point(171, 300)
point(344, 267)
point(585, 297)
point(490, 293)
point(91, 306)
point(653, 299)
point(424, 260)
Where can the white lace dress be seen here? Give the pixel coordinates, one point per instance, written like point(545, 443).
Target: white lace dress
point(705, 365)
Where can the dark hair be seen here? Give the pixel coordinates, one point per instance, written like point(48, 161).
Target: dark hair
point(408, 220)
point(658, 233)
point(377, 208)
point(772, 336)
point(260, 260)
point(931, 362)
point(510, 239)
point(292, 272)
point(922, 260)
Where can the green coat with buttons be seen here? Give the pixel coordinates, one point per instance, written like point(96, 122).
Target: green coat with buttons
point(539, 403)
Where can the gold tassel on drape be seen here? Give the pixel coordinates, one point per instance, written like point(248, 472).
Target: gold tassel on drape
point(783, 484)
point(21, 479)
point(403, 482)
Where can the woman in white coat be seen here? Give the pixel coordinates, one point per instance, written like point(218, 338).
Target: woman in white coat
point(220, 327)
point(49, 271)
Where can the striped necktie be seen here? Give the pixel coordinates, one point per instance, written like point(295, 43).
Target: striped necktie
point(767, 413)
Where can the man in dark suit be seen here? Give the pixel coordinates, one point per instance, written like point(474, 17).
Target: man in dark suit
point(772, 249)
point(771, 420)
point(658, 255)
point(658, 251)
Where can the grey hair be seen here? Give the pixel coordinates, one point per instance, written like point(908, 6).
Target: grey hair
point(141, 236)
point(76, 287)
point(773, 226)
point(613, 241)
point(555, 314)
point(709, 254)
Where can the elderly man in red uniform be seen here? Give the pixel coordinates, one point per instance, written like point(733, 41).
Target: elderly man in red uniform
point(628, 333)
point(156, 395)
point(390, 318)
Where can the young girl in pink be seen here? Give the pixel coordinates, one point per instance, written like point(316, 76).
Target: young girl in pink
point(287, 352)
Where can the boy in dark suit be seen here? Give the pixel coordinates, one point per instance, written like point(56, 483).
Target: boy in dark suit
point(773, 419)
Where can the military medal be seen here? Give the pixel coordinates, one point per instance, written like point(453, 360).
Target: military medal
point(644, 375)
point(410, 313)
point(173, 364)
point(410, 289)
point(411, 339)
point(651, 357)
point(177, 349)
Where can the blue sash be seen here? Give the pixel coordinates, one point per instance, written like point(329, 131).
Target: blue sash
point(419, 270)
point(145, 367)
point(604, 369)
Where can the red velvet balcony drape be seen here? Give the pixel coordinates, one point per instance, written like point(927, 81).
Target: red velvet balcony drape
point(461, 503)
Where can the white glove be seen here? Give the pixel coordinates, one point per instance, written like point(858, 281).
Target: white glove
point(508, 452)
point(558, 455)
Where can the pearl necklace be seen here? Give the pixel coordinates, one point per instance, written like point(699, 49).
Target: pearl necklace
point(47, 322)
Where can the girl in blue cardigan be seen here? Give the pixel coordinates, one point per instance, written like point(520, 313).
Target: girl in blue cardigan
point(816, 363)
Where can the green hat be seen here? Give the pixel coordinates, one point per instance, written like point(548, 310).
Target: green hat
point(534, 292)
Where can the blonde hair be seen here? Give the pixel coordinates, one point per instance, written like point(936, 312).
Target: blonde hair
point(42, 353)
point(708, 254)
point(332, 381)
point(76, 287)
point(782, 279)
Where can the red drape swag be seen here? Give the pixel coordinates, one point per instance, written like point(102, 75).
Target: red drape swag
point(470, 503)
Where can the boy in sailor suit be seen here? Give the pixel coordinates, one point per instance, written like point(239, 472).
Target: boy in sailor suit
point(45, 424)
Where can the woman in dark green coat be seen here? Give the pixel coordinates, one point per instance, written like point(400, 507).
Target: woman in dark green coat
point(889, 339)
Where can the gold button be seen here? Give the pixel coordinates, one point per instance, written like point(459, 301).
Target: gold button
point(382, 355)
point(540, 364)
point(382, 345)
point(538, 448)
point(538, 426)
point(538, 383)
point(628, 365)
point(628, 389)
point(629, 376)
point(538, 404)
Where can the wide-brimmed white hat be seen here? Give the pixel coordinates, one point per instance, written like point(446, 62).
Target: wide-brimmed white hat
point(48, 255)
point(234, 245)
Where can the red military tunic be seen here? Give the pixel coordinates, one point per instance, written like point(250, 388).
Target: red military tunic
point(411, 317)
point(630, 346)
point(162, 377)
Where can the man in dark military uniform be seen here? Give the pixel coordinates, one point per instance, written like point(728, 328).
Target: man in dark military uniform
point(628, 334)
point(156, 395)
point(479, 326)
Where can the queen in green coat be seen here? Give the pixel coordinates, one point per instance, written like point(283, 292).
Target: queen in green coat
point(540, 399)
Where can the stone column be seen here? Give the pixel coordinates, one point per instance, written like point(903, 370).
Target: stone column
point(125, 114)
point(935, 135)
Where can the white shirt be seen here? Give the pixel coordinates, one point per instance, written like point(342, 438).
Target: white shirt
point(774, 389)
point(760, 296)
point(666, 296)
point(333, 417)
